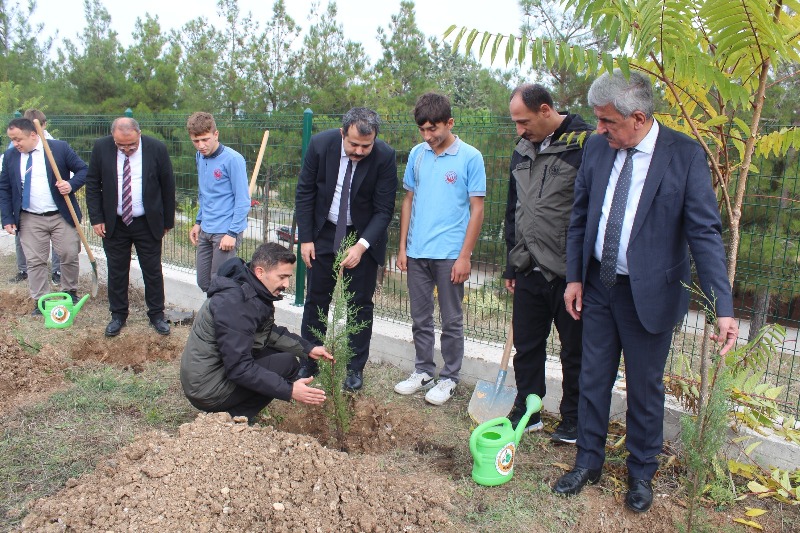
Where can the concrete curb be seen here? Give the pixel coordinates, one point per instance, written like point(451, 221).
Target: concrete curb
point(392, 343)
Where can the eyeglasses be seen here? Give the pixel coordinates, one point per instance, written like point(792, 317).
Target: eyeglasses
point(127, 146)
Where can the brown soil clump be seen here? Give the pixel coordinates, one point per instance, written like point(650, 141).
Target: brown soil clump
point(218, 475)
point(31, 374)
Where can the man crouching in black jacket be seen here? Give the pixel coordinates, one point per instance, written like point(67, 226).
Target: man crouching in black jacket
point(236, 358)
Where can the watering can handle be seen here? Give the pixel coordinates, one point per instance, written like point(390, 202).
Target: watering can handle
point(52, 296)
point(473, 440)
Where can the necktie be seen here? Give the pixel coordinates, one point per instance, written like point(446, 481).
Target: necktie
point(608, 261)
point(127, 197)
point(26, 187)
point(344, 200)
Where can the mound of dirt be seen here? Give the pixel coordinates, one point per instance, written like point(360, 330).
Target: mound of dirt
point(221, 475)
point(132, 350)
point(30, 373)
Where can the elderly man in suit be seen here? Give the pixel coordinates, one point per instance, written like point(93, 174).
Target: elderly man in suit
point(32, 204)
point(348, 184)
point(130, 195)
point(643, 201)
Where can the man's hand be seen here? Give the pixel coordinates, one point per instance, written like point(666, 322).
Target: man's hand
point(194, 234)
point(305, 394)
point(11, 229)
point(510, 285)
point(353, 257)
point(227, 243)
point(460, 271)
point(307, 253)
point(402, 261)
point(728, 333)
point(64, 187)
point(320, 352)
point(100, 230)
point(573, 299)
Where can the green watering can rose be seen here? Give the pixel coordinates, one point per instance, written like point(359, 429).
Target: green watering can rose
point(58, 309)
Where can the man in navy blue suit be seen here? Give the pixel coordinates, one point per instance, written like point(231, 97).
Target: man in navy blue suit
point(33, 204)
point(643, 201)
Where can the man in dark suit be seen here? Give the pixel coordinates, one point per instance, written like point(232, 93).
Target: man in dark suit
point(130, 194)
point(643, 201)
point(354, 160)
point(32, 204)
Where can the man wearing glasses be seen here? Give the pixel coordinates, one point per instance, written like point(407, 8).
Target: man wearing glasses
point(130, 195)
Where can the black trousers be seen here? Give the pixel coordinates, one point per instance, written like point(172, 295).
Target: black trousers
point(321, 282)
point(118, 255)
point(246, 402)
point(538, 304)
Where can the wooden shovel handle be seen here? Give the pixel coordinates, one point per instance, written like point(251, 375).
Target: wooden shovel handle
point(509, 345)
point(258, 162)
point(66, 196)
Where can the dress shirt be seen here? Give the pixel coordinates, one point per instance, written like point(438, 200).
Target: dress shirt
point(136, 181)
point(333, 214)
point(41, 196)
point(641, 165)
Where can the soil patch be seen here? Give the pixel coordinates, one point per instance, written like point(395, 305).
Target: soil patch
point(217, 475)
point(30, 373)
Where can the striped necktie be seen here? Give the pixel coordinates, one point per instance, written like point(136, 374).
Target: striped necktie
point(127, 196)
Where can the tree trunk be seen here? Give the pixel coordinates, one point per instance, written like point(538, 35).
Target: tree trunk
point(762, 306)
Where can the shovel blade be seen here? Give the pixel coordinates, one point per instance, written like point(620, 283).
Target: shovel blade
point(488, 401)
point(95, 282)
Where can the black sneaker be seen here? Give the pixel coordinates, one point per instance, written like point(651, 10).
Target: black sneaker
point(566, 432)
point(56, 277)
point(36, 312)
point(534, 422)
point(21, 276)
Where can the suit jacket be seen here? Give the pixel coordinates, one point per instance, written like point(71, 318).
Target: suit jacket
point(372, 191)
point(158, 185)
point(11, 182)
point(677, 212)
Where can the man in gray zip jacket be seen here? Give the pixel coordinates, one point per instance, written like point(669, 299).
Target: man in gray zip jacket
point(543, 169)
point(236, 358)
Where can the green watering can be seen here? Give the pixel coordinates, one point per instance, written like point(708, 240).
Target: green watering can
point(494, 443)
point(58, 309)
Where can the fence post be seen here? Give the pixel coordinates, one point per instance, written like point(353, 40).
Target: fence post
point(300, 287)
point(129, 112)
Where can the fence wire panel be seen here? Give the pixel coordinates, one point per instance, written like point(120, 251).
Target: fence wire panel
point(767, 288)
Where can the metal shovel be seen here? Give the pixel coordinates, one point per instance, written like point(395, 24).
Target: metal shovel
point(493, 400)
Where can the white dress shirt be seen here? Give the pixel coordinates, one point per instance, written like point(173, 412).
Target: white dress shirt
point(641, 164)
point(41, 195)
point(137, 206)
point(333, 214)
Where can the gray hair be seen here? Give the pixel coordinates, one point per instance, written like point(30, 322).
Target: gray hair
point(365, 120)
point(125, 124)
point(627, 96)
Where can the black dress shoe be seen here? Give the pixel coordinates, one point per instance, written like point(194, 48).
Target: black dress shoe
point(75, 297)
point(573, 481)
point(354, 380)
point(308, 370)
point(160, 325)
point(114, 327)
point(36, 311)
point(640, 495)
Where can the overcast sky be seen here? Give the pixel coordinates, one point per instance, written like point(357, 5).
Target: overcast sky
point(360, 18)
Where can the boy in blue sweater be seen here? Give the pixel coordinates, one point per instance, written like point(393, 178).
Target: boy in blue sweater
point(223, 197)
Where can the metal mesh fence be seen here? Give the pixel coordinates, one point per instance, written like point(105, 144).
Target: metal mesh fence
point(768, 282)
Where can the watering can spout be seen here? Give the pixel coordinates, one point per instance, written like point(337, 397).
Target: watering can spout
point(77, 306)
point(533, 404)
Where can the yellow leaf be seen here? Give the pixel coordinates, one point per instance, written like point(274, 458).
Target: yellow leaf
point(752, 447)
point(749, 523)
point(562, 466)
point(753, 512)
point(756, 487)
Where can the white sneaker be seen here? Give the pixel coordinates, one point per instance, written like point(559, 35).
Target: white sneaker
point(416, 381)
point(441, 392)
